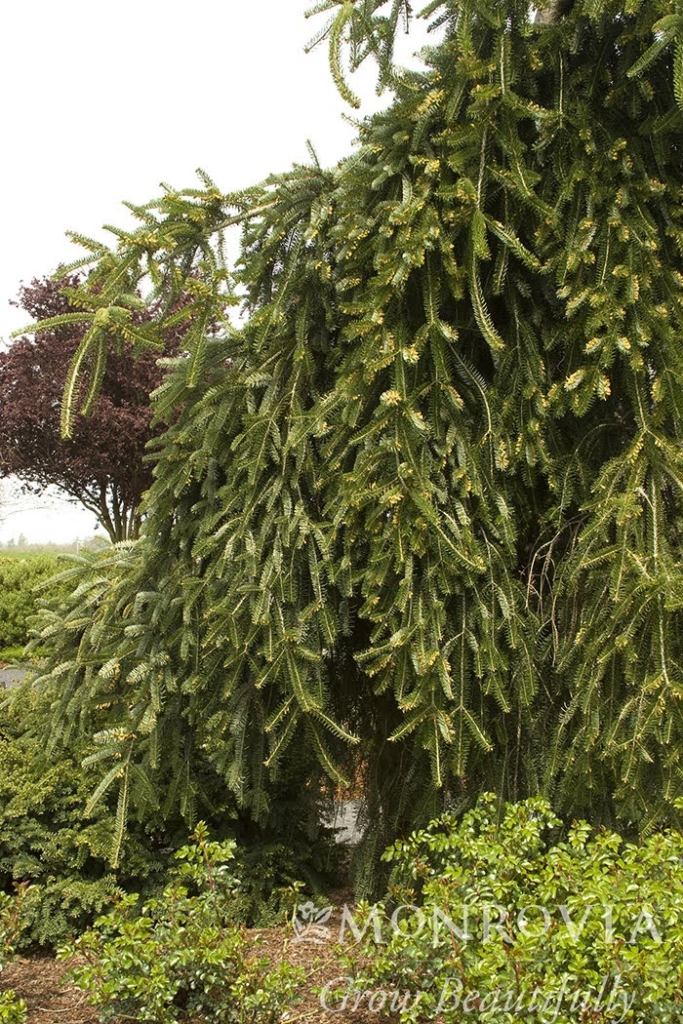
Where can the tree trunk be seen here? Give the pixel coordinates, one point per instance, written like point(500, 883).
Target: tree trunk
point(556, 11)
point(119, 522)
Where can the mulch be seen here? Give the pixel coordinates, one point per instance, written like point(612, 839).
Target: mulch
point(39, 980)
point(52, 1000)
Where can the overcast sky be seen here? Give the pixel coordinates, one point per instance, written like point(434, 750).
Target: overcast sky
point(101, 102)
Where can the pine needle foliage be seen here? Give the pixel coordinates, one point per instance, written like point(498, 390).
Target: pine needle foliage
point(418, 517)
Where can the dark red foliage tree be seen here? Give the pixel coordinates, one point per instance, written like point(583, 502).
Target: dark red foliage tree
point(102, 466)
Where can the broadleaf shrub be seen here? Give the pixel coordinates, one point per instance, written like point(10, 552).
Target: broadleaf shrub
point(13, 1010)
point(507, 915)
point(180, 957)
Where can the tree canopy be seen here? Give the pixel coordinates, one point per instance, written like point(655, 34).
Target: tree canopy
point(427, 525)
point(103, 465)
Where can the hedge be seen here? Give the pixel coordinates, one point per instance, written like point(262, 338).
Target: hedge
point(19, 600)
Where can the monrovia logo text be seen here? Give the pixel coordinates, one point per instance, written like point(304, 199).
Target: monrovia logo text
point(474, 923)
point(607, 999)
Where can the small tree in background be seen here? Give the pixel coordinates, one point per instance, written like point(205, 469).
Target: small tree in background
point(102, 466)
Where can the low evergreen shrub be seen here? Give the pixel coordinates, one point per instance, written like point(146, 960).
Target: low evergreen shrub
point(51, 838)
point(46, 838)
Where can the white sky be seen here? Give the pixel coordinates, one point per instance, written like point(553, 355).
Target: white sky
point(101, 102)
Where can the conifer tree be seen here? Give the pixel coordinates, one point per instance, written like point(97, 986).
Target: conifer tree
point(420, 515)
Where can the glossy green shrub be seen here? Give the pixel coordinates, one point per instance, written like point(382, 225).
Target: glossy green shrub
point(580, 926)
point(179, 957)
point(12, 1009)
point(19, 599)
